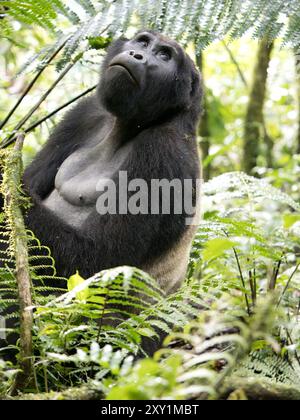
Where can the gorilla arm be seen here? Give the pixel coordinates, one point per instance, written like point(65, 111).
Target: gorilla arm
point(66, 138)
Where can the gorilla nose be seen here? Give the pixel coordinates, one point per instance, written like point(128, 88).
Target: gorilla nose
point(137, 56)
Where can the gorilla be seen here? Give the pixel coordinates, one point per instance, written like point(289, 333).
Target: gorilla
point(141, 121)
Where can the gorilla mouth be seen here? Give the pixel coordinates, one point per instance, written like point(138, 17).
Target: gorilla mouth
point(127, 69)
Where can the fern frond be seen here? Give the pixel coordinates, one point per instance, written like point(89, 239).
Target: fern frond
point(233, 185)
point(198, 22)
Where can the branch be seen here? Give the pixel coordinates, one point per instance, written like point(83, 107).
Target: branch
point(10, 139)
point(55, 111)
point(31, 84)
point(12, 181)
point(234, 61)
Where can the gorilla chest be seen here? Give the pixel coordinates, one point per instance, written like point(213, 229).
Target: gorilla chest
point(77, 181)
point(77, 178)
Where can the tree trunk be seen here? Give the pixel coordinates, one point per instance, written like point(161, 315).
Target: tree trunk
point(254, 124)
point(203, 129)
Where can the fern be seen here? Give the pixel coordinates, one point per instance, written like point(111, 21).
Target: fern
point(215, 342)
point(197, 21)
point(35, 12)
point(7, 375)
point(123, 306)
point(267, 365)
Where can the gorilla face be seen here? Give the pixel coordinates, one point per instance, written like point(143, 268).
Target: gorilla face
point(146, 78)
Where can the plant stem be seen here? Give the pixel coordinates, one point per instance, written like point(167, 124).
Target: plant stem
point(241, 275)
point(253, 288)
point(103, 313)
point(274, 277)
point(242, 280)
point(269, 143)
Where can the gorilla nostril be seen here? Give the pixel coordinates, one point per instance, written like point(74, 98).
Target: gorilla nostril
point(138, 56)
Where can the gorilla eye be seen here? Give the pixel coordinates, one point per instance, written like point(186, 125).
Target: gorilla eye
point(144, 41)
point(165, 54)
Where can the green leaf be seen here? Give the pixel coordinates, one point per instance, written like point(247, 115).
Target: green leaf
point(99, 42)
point(216, 247)
point(147, 332)
point(75, 281)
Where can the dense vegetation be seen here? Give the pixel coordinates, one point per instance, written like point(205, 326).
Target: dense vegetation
point(233, 328)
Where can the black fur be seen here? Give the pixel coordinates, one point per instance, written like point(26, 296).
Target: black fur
point(160, 118)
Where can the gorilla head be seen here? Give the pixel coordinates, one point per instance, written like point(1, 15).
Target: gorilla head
point(147, 78)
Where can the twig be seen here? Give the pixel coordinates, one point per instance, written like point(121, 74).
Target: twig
point(10, 139)
point(55, 111)
point(31, 84)
point(234, 61)
point(12, 181)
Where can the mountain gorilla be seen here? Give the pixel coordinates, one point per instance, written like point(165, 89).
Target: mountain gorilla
point(142, 120)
